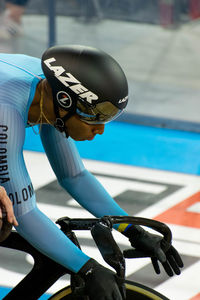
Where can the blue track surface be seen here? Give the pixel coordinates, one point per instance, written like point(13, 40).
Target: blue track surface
point(4, 291)
point(143, 146)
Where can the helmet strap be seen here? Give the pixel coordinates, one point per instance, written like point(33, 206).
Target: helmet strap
point(60, 121)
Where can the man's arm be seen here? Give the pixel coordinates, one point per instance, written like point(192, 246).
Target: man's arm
point(89, 192)
point(33, 225)
point(74, 178)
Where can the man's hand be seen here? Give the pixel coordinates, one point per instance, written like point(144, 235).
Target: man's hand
point(101, 283)
point(157, 248)
point(6, 207)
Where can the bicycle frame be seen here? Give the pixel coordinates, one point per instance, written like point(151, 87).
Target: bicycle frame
point(46, 272)
point(42, 276)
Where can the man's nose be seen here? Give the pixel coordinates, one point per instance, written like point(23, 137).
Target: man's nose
point(99, 129)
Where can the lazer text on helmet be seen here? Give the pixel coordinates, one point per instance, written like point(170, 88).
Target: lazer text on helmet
point(68, 80)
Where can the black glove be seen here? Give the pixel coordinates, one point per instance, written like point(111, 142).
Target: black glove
point(156, 247)
point(101, 283)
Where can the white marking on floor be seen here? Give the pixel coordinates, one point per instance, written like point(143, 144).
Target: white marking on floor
point(185, 239)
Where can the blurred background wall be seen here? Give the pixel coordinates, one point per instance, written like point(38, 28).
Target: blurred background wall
point(157, 42)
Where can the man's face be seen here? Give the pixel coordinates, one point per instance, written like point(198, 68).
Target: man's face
point(81, 131)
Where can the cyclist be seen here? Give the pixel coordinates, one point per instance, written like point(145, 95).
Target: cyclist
point(70, 93)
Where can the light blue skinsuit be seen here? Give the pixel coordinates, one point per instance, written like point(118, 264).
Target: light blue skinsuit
point(19, 76)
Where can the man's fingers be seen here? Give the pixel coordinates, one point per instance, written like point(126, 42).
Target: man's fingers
point(155, 265)
point(11, 219)
point(10, 213)
point(161, 255)
point(168, 269)
point(176, 256)
point(174, 265)
point(7, 206)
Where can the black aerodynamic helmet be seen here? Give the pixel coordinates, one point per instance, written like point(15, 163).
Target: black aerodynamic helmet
point(86, 81)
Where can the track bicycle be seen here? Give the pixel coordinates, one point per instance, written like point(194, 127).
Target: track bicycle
point(46, 272)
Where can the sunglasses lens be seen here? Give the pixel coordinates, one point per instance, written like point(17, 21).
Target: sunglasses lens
point(100, 114)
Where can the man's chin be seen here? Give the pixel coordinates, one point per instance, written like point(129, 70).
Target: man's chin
point(78, 139)
point(90, 139)
point(82, 139)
